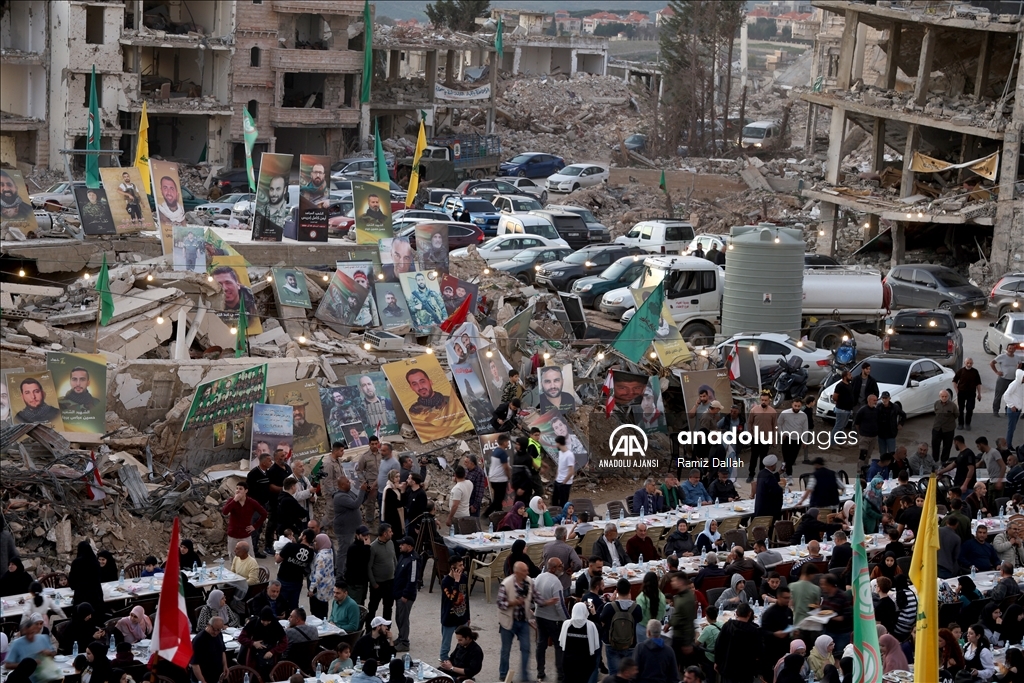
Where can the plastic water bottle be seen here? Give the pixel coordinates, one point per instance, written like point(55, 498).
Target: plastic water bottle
point(74, 650)
point(641, 562)
point(407, 659)
point(420, 673)
point(803, 541)
point(113, 645)
point(490, 528)
point(881, 529)
point(120, 578)
point(246, 679)
point(1002, 512)
point(642, 513)
point(811, 679)
point(451, 531)
point(527, 526)
point(979, 515)
point(357, 665)
point(974, 571)
point(703, 555)
point(319, 671)
point(195, 568)
point(700, 613)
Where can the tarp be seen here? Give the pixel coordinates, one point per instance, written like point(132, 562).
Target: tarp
point(986, 167)
point(481, 93)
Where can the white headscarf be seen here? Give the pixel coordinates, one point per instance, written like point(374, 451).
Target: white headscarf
point(578, 620)
point(535, 506)
point(821, 644)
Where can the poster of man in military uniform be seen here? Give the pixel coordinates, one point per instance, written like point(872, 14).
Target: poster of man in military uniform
point(94, 211)
point(343, 301)
point(423, 294)
point(80, 380)
point(309, 433)
point(272, 209)
point(341, 406)
point(428, 398)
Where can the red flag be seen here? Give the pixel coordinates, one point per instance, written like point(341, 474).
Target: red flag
point(608, 389)
point(94, 492)
point(733, 361)
point(457, 317)
point(171, 638)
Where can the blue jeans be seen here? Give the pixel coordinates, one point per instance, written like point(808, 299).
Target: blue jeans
point(520, 630)
point(614, 657)
point(446, 640)
point(842, 417)
point(1012, 418)
point(886, 445)
point(291, 591)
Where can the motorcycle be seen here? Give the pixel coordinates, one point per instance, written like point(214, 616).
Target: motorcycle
point(844, 357)
point(790, 381)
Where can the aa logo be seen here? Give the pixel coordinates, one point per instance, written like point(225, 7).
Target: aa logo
point(628, 441)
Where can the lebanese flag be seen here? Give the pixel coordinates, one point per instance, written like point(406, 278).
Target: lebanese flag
point(608, 389)
point(94, 492)
point(171, 638)
point(457, 317)
point(733, 361)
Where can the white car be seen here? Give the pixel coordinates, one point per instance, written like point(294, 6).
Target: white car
point(771, 346)
point(1009, 329)
point(504, 247)
point(527, 186)
point(575, 176)
point(914, 383)
point(425, 214)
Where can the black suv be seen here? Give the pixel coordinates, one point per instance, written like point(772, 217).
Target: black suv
point(590, 260)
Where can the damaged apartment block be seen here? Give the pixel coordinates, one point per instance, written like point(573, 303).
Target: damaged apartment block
point(24, 138)
point(949, 101)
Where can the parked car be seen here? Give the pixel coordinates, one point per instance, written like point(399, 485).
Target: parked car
point(591, 260)
point(226, 203)
point(473, 210)
point(706, 242)
point(486, 187)
point(524, 265)
point(532, 165)
point(406, 214)
point(819, 261)
point(926, 334)
point(914, 383)
point(773, 346)
point(1007, 295)
point(923, 285)
point(591, 288)
point(529, 224)
point(760, 134)
point(506, 203)
point(504, 247)
point(459, 234)
point(527, 186)
point(598, 232)
point(360, 166)
point(637, 142)
point(1009, 329)
point(234, 179)
point(58, 194)
point(575, 176)
point(659, 236)
point(570, 227)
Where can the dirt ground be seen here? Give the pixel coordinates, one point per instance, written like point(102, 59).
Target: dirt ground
point(705, 185)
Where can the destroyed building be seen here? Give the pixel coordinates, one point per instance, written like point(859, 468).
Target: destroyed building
point(955, 123)
point(24, 34)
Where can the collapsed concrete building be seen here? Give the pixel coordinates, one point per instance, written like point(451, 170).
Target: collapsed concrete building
point(962, 102)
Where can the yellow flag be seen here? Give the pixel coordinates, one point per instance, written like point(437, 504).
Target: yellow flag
point(142, 150)
point(925, 577)
point(414, 179)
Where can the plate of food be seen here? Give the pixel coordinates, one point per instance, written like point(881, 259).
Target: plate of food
point(825, 613)
point(738, 508)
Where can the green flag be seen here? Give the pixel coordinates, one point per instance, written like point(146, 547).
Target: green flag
point(92, 161)
point(249, 135)
point(499, 43)
point(241, 338)
point(364, 97)
point(662, 185)
point(106, 298)
point(380, 164)
point(867, 658)
point(639, 332)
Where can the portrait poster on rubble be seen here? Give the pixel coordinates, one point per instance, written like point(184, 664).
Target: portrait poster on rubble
point(628, 391)
point(231, 274)
point(668, 343)
point(15, 205)
point(227, 398)
point(81, 383)
point(343, 301)
point(94, 211)
point(170, 209)
point(650, 414)
point(377, 405)
point(373, 211)
point(425, 303)
point(469, 337)
point(427, 397)
point(700, 388)
point(465, 367)
point(454, 291)
point(290, 287)
point(341, 407)
point(189, 249)
point(309, 433)
point(34, 399)
point(272, 210)
point(553, 424)
point(432, 247)
point(518, 327)
point(363, 274)
point(397, 256)
point(392, 308)
point(126, 194)
point(237, 432)
point(271, 425)
point(215, 245)
point(495, 372)
point(220, 434)
point(6, 417)
point(556, 388)
point(314, 197)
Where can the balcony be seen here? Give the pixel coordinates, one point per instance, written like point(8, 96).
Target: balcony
point(8, 56)
point(349, 7)
point(316, 61)
point(295, 116)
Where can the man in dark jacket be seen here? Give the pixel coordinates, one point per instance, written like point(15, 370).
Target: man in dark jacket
point(506, 416)
point(822, 486)
point(774, 622)
point(864, 385)
point(722, 490)
point(768, 495)
point(739, 649)
point(655, 658)
point(866, 422)
point(357, 573)
point(522, 473)
point(347, 518)
point(291, 514)
point(404, 590)
point(813, 528)
point(271, 598)
point(841, 552)
point(890, 418)
point(609, 547)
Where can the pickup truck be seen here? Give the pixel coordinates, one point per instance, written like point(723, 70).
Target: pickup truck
point(922, 333)
point(473, 156)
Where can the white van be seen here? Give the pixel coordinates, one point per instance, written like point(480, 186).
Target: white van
point(760, 134)
point(527, 224)
point(659, 236)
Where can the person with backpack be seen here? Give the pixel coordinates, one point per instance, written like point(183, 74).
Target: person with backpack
point(619, 620)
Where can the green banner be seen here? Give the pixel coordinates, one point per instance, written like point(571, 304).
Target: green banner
point(641, 329)
point(227, 398)
point(92, 142)
point(867, 660)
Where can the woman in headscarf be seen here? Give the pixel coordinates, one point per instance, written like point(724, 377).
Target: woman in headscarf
point(734, 594)
point(906, 605)
point(568, 515)
point(15, 580)
point(1013, 625)
point(518, 554)
point(887, 567)
point(187, 555)
point(679, 542)
point(796, 647)
point(136, 626)
point(992, 619)
point(968, 590)
point(580, 642)
point(951, 657)
point(99, 669)
point(846, 516)
point(790, 670)
point(392, 510)
point(396, 667)
point(84, 579)
point(264, 641)
point(321, 576)
point(538, 514)
point(108, 566)
point(84, 629)
point(514, 519)
point(709, 540)
point(216, 606)
point(892, 654)
point(821, 654)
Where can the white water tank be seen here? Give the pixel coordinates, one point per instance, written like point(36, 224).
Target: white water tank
point(763, 280)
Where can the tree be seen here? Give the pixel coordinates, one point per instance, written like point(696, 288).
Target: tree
point(458, 15)
point(786, 33)
point(762, 29)
point(613, 28)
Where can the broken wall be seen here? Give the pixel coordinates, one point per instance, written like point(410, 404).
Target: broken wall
point(23, 26)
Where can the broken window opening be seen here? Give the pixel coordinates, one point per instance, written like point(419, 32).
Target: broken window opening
point(254, 57)
point(254, 109)
point(88, 90)
point(304, 91)
point(312, 32)
point(94, 25)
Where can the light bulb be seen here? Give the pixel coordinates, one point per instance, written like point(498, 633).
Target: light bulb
point(302, 339)
point(910, 215)
point(21, 273)
point(234, 330)
point(86, 276)
point(1016, 304)
point(149, 278)
point(800, 344)
point(600, 355)
point(846, 337)
point(489, 354)
point(380, 276)
point(867, 225)
point(730, 247)
point(430, 350)
point(821, 233)
point(159, 320)
point(367, 346)
point(704, 352)
point(920, 214)
point(546, 355)
point(889, 331)
point(777, 240)
point(654, 354)
point(974, 314)
point(270, 278)
point(487, 271)
point(326, 278)
point(209, 278)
